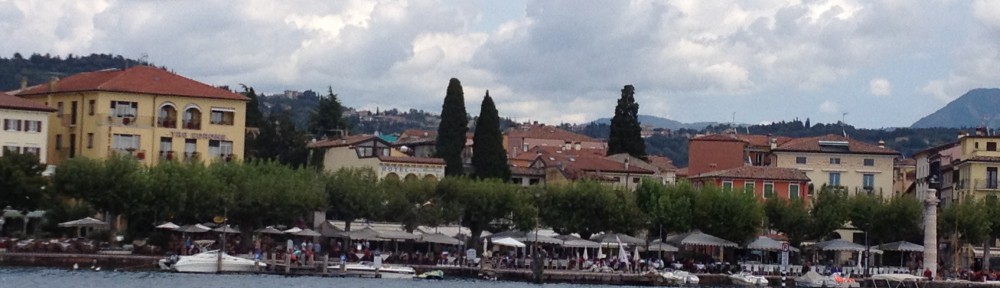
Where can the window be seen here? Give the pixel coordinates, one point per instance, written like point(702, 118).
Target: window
point(793, 191)
point(90, 107)
point(768, 189)
point(534, 181)
point(868, 181)
point(635, 180)
point(190, 146)
point(749, 187)
point(32, 150)
point(800, 160)
point(122, 109)
point(834, 179)
point(835, 161)
point(125, 142)
point(991, 146)
point(192, 118)
point(218, 148)
point(32, 126)
point(72, 111)
point(869, 162)
point(58, 141)
point(166, 144)
point(222, 116)
point(7, 150)
point(727, 186)
point(12, 125)
point(90, 140)
point(59, 109)
point(991, 177)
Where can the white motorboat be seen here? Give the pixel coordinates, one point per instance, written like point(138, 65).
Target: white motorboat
point(386, 271)
point(208, 262)
point(812, 279)
point(747, 279)
point(897, 280)
point(678, 277)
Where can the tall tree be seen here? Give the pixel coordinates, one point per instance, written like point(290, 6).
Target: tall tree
point(489, 157)
point(789, 216)
point(626, 135)
point(280, 140)
point(328, 116)
point(829, 212)
point(451, 131)
point(255, 119)
point(734, 216)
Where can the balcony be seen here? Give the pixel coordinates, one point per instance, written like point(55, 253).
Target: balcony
point(868, 191)
point(166, 123)
point(125, 121)
point(166, 156)
point(986, 184)
point(191, 125)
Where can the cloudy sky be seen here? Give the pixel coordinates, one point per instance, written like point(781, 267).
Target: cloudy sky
point(884, 63)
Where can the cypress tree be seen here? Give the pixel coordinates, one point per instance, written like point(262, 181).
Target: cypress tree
point(626, 135)
point(489, 156)
point(328, 115)
point(451, 131)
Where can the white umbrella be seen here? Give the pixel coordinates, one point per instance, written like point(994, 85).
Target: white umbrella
point(510, 242)
point(168, 226)
point(635, 254)
point(585, 256)
point(293, 230)
point(307, 233)
point(196, 228)
point(226, 229)
point(268, 230)
point(85, 222)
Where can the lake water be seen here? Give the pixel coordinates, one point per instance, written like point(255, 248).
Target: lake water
point(45, 277)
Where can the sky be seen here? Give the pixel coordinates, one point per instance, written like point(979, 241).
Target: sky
point(872, 64)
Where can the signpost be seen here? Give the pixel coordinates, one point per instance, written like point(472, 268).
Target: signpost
point(784, 256)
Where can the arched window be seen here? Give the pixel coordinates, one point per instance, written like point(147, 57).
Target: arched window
point(166, 117)
point(192, 118)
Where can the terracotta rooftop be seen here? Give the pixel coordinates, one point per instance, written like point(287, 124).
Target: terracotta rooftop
point(752, 139)
point(662, 161)
point(418, 160)
point(832, 143)
point(758, 172)
point(542, 131)
point(982, 159)
point(8, 101)
point(906, 162)
point(575, 167)
point(339, 142)
point(138, 79)
point(526, 171)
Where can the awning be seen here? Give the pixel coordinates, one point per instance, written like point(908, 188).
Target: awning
point(901, 246)
point(397, 235)
point(226, 229)
point(765, 243)
point(168, 226)
point(268, 230)
point(11, 213)
point(364, 234)
point(196, 228)
point(306, 233)
point(697, 238)
point(661, 247)
point(615, 238)
point(36, 214)
point(509, 242)
point(524, 236)
point(577, 242)
point(85, 222)
point(843, 245)
point(439, 239)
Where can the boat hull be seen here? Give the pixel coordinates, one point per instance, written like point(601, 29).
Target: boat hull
point(388, 272)
point(208, 262)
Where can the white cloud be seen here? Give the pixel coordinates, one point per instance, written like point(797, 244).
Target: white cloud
point(829, 107)
point(880, 87)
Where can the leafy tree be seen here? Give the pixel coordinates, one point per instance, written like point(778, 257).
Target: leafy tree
point(901, 219)
point(115, 186)
point(451, 131)
point(789, 216)
point(328, 115)
point(181, 191)
point(482, 203)
point(490, 157)
point(22, 181)
point(829, 212)
point(735, 216)
point(668, 207)
point(967, 217)
point(279, 140)
point(412, 203)
point(351, 194)
point(582, 207)
point(992, 205)
point(626, 135)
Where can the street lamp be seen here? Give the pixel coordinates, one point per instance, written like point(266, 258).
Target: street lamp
point(537, 257)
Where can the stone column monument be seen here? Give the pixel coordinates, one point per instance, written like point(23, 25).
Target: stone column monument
point(930, 233)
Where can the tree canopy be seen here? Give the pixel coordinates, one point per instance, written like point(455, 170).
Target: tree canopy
point(22, 181)
point(490, 157)
point(626, 134)
point(451, 131)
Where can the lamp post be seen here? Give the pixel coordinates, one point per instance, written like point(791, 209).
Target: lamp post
point(536, 258)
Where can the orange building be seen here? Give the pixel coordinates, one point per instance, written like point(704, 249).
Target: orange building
point(765, 182)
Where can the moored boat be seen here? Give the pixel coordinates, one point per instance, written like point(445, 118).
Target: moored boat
point(747, 279)
point(208, 262)
point(386, 271)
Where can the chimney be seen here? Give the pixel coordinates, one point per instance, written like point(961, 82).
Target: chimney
point(881, 143)
point(52, 83)
point(24, 83)
point(773, 141)
point(578, 146)
point(626, 161)
point(567, 146)
point(980, 131)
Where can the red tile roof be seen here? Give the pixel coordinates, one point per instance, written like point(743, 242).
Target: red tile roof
point(542, 131)
point(575, 167)
point(757, 172)
point(752, 139)
point(812, 144)
point(662, 162)
point(138, 79)
point(418, 160)
point(8, 101)
point(339, 142)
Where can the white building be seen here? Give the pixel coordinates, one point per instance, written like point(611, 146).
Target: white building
point(25, 126)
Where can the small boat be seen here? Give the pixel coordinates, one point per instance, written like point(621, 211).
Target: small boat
point(812, 279)
point(436, 275)
point(386, 271)
point(208, 262)
point(678, 277)
point(897, 280)
point(747, 279)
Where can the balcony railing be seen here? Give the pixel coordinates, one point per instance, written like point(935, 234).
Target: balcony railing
point(166, 123)
point(125, 121)
point(869, 191)
point(191, 125)
point(167, 156)
point(986, 184)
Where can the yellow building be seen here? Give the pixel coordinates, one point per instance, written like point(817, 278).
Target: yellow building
point(147, 112)
point(975, 172)
point(369, 151)
point(24, 126)
point(838, 161)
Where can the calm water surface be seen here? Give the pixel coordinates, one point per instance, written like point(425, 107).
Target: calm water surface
point(44, 277)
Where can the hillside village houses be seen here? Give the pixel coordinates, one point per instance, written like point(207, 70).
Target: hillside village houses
point(147, 112)
point(25, 124)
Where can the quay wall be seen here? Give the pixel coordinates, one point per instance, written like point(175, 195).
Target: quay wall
point(84, 261)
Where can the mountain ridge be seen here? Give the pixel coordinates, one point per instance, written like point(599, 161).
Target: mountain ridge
point(978, 107)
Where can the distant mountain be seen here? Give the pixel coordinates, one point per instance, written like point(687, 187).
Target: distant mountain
point(661, 122)
point(975, 108)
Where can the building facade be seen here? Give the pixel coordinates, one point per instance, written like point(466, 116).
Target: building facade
point(25, 126)
point(837, 161)
point(146, 112)
point(764, 182)
point(369, 151)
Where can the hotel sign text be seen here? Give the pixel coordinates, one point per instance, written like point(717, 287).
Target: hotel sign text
point(198, 135)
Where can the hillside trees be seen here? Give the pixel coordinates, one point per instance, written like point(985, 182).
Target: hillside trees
point(451, 131)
